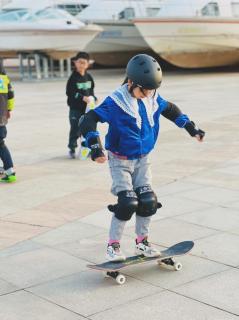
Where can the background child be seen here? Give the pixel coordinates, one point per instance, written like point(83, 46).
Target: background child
point(79, 91)
point(133, 113)
point(6, 106)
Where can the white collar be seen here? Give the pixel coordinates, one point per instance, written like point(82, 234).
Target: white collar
point(129, 104)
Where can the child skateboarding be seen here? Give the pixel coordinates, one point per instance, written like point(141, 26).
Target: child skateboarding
point(133, 114)
point(6, 106)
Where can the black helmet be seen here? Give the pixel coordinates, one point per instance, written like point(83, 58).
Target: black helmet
point(144, 71)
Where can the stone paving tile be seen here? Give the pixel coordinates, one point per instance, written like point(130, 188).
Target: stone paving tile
point(102, 219)
point(220, 290)
point(12, 233)
point(33, 267)
point(6, 207)
point(234, 231)
point(193, 268)
point(93, 249)
point(89, 292)
point(217, 218)
point(176, 188)
point(167, 232)
point(19, 248)
point(234, 205)
point(232, 170)
point(214, 195)
point(73, 231)
point(77, 204)
point(164, 305)
point(222, 248)
point(177, 205)
point(25, 306)
point(42, 190)
point(6, 287)
point(37, 218)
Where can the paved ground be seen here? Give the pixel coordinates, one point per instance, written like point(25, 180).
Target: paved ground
point(54, 220)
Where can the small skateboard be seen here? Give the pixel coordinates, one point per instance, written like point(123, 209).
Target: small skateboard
point(165, 260)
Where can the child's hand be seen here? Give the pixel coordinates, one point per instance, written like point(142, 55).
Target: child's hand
point(86, 99)
point(101, 159)
point(199, 138)
point(8, 114)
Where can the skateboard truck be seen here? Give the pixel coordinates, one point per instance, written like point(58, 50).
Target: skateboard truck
point(170, 264)
point(118, 277)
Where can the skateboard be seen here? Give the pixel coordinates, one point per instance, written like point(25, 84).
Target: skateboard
point(165, 260)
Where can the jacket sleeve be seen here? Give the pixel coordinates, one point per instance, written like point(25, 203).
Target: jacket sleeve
point(92, 89)
point(72, 92)
point(104, 110)
point(174, 114)
point(88, 122)
point(10, 97)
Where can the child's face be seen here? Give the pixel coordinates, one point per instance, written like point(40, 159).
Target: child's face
point(140, 93)
point(81, 65)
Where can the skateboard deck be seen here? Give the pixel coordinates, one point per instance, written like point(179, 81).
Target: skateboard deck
point(112, 268)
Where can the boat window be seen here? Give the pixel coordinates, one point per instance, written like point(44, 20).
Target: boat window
point(13, 15)
point(211, 9)
point(235, 9)
point(152, 12)
point(50, 13)
point(73, 9)
point(127, 13)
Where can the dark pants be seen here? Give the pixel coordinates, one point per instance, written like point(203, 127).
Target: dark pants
point(74, 117)
point(5, 155)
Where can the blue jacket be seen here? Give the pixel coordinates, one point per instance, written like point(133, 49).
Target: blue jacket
point(133, 124)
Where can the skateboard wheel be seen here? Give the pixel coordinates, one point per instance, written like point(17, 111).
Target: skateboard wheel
point(120, 279)
point(178, 266)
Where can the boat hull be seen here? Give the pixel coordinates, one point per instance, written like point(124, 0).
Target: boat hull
point(193, 43)
point(56, 43)
point(117, 43)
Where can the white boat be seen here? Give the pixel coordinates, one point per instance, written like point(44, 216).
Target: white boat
point(194, 33)
point(119, 39)
point(72, 6)
point(52, 31)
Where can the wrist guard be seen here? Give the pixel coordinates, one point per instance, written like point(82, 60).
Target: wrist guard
point(95, 145)
point(193, 130)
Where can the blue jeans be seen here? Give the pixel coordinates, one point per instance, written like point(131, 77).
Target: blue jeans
point(5, 155)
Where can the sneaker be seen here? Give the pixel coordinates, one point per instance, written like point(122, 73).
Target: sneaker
point(72, 154)
point(9, 178)
point(145, 248)
point(114, 253)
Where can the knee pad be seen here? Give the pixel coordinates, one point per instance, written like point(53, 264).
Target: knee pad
point(148, 202)
point(126, 206)
point(2, 144)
